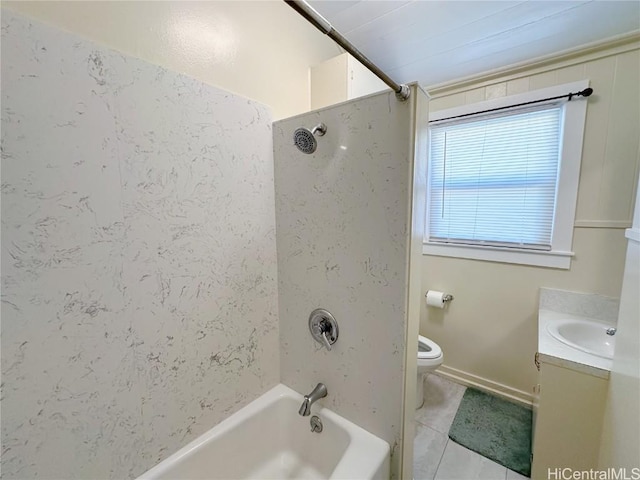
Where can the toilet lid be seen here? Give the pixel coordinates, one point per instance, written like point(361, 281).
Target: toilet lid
point(428, 349)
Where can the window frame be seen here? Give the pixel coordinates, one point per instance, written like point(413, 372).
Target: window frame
point(572, 134)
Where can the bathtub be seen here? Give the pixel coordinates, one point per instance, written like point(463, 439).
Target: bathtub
point(267, 439)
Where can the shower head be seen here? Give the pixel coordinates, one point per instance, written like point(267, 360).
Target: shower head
point(304, 139)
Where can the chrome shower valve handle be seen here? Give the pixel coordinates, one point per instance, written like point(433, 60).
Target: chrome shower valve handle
point(323, 327)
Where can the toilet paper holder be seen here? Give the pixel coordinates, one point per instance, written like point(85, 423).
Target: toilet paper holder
point(446, 298)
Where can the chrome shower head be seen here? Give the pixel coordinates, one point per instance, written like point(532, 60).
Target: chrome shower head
point(304, 139)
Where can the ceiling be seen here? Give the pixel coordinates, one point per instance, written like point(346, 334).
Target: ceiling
point(433, 42)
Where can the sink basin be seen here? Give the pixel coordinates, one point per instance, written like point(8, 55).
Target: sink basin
point(584, 335)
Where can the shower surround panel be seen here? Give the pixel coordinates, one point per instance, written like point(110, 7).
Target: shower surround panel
point(139, 295)
point(342, 217)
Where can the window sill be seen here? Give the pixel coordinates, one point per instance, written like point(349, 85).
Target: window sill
point(551, 259)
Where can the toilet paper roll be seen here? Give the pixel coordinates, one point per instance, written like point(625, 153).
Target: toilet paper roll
point(435, 299)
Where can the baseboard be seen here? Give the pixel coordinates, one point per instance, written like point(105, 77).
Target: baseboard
point(489, 386)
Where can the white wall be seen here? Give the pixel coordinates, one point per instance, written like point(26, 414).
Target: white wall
point(488, 333)
point(138, 257)
point(341, 78)
point(343, 217)
point(330, 82)
point(621, 429)
point(258, 49)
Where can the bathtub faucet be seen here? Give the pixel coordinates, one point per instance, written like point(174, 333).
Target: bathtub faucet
point(319, 392)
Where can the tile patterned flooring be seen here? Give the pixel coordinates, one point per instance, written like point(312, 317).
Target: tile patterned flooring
point(435, 457)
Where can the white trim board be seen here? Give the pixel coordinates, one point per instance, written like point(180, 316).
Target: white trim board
point(615, 224)
point(536, 258)
point(498, 389)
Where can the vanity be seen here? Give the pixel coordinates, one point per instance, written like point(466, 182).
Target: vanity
point(576, 337)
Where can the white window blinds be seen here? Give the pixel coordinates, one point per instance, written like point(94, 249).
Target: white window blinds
point(493, 179)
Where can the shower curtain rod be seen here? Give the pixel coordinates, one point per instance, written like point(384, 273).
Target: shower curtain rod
point(583, 93)
point(322, 24)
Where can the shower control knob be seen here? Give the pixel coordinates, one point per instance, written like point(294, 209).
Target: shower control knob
point(323, 327)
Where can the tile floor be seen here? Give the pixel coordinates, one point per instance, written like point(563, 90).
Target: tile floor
point(435, 457)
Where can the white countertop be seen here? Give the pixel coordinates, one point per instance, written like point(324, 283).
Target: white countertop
point(557, 353)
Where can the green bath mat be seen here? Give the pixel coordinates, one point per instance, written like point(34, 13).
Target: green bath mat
point(494, 428)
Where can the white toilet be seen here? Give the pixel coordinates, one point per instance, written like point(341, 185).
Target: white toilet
point(429, 358)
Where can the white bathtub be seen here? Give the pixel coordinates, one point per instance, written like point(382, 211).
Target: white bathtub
point(267, 439)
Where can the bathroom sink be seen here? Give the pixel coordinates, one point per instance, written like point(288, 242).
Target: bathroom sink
point(584, 335)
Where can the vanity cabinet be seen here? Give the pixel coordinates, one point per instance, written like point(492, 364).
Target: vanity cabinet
point(568, 420)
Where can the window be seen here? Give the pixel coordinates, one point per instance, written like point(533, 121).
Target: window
point(502, 186)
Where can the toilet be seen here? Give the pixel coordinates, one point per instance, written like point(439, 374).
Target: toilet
point(429, 358)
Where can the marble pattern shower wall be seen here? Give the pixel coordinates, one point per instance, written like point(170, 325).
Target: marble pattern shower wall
point(139, 295)
point(343, 234)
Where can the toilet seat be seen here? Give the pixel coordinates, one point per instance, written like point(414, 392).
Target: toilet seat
point(429, 359)
point(427, 349)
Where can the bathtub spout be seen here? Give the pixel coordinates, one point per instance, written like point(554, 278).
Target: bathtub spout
point(319, 392)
